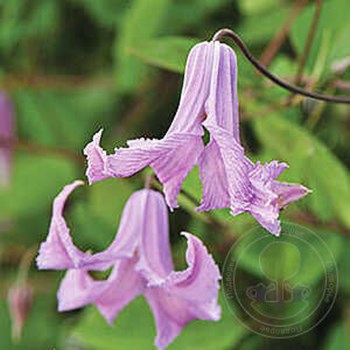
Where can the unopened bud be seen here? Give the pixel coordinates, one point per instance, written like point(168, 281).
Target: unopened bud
point(20, 297)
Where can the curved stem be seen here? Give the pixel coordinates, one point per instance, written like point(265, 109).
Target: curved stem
point(262, 69)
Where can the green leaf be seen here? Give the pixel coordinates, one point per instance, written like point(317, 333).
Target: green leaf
point(167, 52)
point(338, 339)
point(331, 32)
point(96, 217)
point(287, 258)
point(50, 117)
point(47, 322)
point(106, 12)
point(134, 329)
point(30, 189)
point(311, 163)
point(262, 27)
point(141, 22)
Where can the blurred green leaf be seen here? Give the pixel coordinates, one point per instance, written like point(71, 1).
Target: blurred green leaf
point(290, 259)
point(43, 317)
point(20, 22)
point(252, 7)
point(338, 338)
point(50, 117)
point(261, 28)
point(30, 189)
point(106, 12)
point(96, 217)
point(134, 329)
point(140, 23)
point(311, 163)
point(332, 27)
point(167, 52)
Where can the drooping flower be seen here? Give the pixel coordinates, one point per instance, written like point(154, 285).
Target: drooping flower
point(229, 179)
point(142, 264)
point(6, 135)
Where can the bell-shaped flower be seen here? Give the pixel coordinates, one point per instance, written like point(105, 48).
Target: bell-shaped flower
point(142, 264)
point(6, 138)
point(229, 179)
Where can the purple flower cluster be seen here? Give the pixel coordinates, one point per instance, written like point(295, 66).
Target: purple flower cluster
point(229, 179)
point(142, 264)
point(140, 254)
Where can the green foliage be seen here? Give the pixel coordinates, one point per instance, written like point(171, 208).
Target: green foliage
point(140, 23)
point(41, 331)
point(332, 33)
point(107, 13)
point(312, 163)
point(134, 329)
point(96, 217)
point(338, 338)
point(168, 53)
point(30, 191)
point(75, 66)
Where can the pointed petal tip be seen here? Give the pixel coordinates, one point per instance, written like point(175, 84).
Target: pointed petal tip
point(96, 159)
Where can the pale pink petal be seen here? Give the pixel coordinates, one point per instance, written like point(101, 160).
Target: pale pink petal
point(195, 91)
point(96, 158)
point(172, 158)
point(172, 313)
point(77, 289)
point(289, 192)
point(222, 104)
point(199, 283)
point(123, 285)
point(236, 167)
point(215, 187)
point(186, 295)
point(155, 261)
point(59, 251)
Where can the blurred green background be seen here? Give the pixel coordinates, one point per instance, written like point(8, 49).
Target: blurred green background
point(74, 66)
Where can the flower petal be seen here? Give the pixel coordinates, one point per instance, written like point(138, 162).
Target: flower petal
point(195, 90)
point(171, 314)
point(222, 103)
point(214, 179)
point(289, 192)
point(236, 166)
point(155, 260)
point(96, 158)
point(59, 251)
point(77, 289)
point(199, 282)
point(186, 295)
point(123, 285)
point(172, 158)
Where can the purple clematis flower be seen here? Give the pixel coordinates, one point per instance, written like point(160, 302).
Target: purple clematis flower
point(6, 135)
point(142, 264)
point(230, 180)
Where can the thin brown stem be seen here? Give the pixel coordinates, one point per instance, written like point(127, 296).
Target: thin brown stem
point(278, 81)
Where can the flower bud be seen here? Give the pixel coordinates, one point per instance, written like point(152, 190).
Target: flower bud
point(20, 297)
